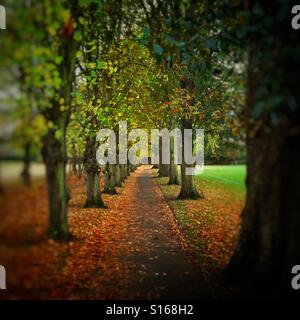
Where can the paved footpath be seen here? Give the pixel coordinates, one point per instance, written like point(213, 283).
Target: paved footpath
point(163, 268)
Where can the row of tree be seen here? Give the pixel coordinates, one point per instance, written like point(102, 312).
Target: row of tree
point(86, 64)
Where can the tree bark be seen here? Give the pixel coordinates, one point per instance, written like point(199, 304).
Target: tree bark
point(173, 168)
point(106, 180)
point(188, 189)
point(26, 165)
point(79, 165)
point(54, 148)
point(163, 169)
point(93, 197)
point(109, 180)
point(173, 175)
point(268, 245)
point(112, 180)
point(73, 160)
point(132, 167)
point(128, 170)
point(118, 176)
point(90, 191)
point(123, 172)
point(54, 155)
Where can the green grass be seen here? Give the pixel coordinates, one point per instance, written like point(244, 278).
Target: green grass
point(231, 176)
point(211, 224)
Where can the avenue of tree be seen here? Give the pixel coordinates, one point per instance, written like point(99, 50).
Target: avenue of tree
point(83, 65)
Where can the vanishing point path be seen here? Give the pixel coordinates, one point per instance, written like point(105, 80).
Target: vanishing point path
point(163, 268)
point(132, 249)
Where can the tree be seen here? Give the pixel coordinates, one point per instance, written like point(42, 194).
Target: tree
point(88, 95)
point(267, 247)
point(185, 35)
point(54, 47)
point(17, 59)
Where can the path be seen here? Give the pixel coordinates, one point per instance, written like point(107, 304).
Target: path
point(131, 250)
point(165, 270)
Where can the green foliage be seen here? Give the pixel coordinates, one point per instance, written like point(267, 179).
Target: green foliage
point(152, 68)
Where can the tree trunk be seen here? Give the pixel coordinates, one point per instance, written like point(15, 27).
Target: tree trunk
point(74, 166)
point(173, 168)
point(268, 245)
point(73, 159)
point(98, 197)
point(131, 167)
point(93, 197)
point(112, 181)
point(54, 154)
point(90, 190)
point(128, 169)
point(173, 175)
point(79, 168)
point(118, 179)
point(269, 237)
point(123, 172)
point(188, 188)
point(26, 165)
point(106, 180)
point(54, 148)
point(109, 180)
point(163, 168)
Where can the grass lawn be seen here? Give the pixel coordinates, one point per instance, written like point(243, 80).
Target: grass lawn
point(232, 176)
point(211, 224)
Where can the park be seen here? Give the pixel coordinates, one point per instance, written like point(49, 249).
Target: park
point(139, 146)
point(149, 150)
